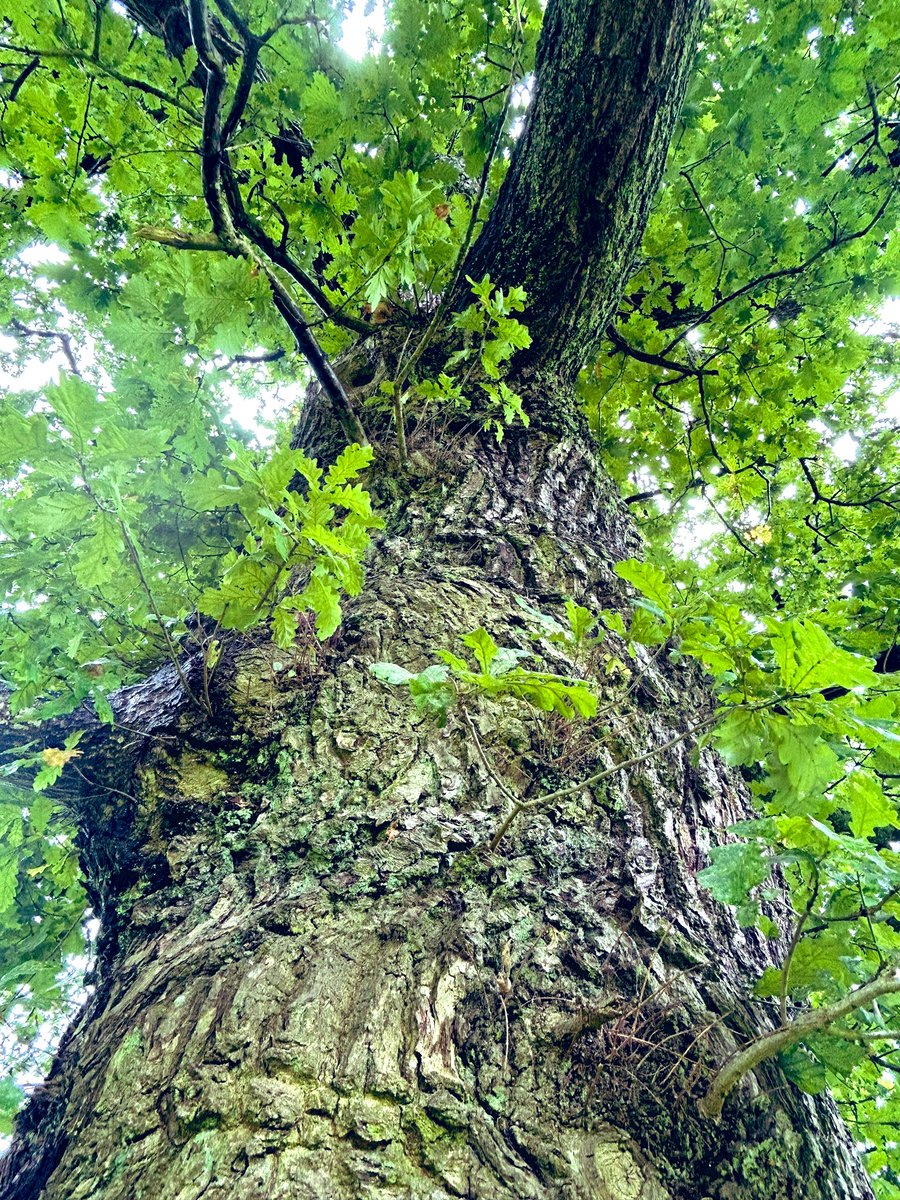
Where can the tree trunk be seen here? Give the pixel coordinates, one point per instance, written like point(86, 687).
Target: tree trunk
point(315, 978)
point(610, 79)
point(316, 981)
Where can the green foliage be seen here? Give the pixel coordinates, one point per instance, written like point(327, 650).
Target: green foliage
point(116, 527)
point(817, 732)
point(491, 337)
point(497, 675)
point(42, 903)
point(289, 528)
point(752, 434)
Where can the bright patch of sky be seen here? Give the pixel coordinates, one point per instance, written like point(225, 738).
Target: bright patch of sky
point(43, 254)
point(362, 28)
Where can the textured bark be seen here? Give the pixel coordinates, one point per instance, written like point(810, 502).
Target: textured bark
point(610, 82)
point(314, 980)
point(302, 988)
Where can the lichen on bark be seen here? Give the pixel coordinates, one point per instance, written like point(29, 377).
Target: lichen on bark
point(315, 980)
point(301, 994)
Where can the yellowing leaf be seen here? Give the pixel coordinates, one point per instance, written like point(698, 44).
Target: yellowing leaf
point(55, 757)
point(760, 534)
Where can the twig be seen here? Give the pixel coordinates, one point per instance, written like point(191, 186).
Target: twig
point(80, 141)
point(836, 241)
point(226, 211)
point(781, 1039)
point(484, 758)
point(22, 77)
point(794, 943)
point(573, 788)
point(85, 56)
point(64, 340)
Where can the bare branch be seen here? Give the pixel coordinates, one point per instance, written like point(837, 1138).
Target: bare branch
point(65, 342)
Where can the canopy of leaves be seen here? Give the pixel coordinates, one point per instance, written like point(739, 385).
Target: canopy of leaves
point(745, 402)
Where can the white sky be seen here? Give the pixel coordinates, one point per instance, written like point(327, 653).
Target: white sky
point(363, 25)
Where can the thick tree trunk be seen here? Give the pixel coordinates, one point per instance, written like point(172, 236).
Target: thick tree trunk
point(317, 982)
point(315, 979)
point(610, 79)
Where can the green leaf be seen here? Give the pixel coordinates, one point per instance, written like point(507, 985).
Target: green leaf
point(835, 1053)
point(802, 1069)
point(390, 673)
point(649, 580)
point(735, 869)
point(808, 659)
point(862, 794)
point(348, 464)
point(432, 693)
point(581, 621)
point(320, 594)
point(9, 874)
point(483, 646)
point(284, 626)
point(11, 1100)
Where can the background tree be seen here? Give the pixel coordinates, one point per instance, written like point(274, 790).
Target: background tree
point(389, 780)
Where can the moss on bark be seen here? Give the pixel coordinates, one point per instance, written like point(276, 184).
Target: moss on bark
point(303, 994)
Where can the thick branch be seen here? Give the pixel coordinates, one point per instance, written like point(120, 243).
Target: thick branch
point(180, 239)
point(611, 78)
point(226, 210)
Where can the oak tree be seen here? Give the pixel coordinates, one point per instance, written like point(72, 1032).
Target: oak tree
point(480, 778)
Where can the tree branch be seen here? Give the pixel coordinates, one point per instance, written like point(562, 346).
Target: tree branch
point(653, 360)
point(610, 80)
point(834, 243)
point(781, 1039)
point(65, 341)
point(223, 202)
point(86, 56)
point(820, 498)
point(21, 78)
point(180, 239)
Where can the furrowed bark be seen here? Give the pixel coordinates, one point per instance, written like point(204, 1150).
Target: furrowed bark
point(316, 981)
point(320, 981)
point(609, 83)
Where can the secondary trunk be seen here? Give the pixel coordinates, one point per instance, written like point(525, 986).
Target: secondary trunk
point(317, 982)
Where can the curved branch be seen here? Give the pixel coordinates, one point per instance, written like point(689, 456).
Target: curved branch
point(834, 243)
point(819, 497)
point(18, 329)
point(653, 360)
point(814, 1021)
point(226, 211)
